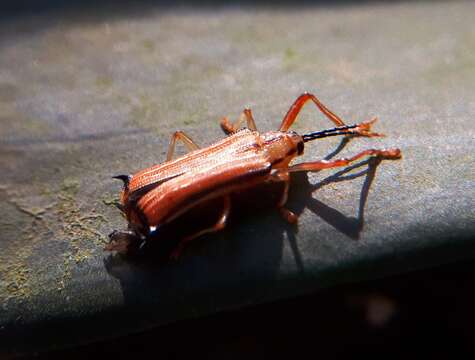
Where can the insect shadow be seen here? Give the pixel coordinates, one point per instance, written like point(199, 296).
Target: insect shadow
point(301, 197)
point(247, 254)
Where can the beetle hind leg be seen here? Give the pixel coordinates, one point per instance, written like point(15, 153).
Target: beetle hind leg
point(219, 225)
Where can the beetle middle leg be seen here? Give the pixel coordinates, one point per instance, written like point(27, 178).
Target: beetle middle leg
point(219, 225)
point(180, 135)
point(390, 154)
point(229, 128)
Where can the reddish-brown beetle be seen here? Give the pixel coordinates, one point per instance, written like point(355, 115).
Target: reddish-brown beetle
point(160, 194)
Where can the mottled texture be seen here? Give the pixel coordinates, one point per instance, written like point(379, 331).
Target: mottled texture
point(84, 97)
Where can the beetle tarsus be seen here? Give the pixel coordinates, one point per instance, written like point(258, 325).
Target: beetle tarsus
point(364, 129)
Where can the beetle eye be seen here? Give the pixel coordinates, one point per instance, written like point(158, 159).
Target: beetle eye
point(300, 147)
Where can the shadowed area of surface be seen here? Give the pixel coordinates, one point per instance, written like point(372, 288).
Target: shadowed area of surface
point(84, 97)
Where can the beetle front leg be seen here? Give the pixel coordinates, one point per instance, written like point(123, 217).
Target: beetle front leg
point(220, 224)
point(296, 107)
point(229, 128)
point(391, 154)
point(180, 135)
point(289, 216)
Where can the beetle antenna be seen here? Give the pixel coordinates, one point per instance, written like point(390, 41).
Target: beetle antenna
point(341, 130)
point(363, 129)
point(124, 178)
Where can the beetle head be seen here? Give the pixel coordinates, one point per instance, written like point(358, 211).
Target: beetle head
point(297, 141)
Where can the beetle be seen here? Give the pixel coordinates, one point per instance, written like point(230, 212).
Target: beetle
point(157, 195)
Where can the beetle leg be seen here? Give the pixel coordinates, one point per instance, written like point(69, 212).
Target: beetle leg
point(220, 224)
point(229, 128)
point(297, 106)
point(391, 154)
point(288, 215)
point(180, 135)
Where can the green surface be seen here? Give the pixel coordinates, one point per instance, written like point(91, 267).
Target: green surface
point(86, 97)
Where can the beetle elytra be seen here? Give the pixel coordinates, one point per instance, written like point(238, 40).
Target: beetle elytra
point(246, 158)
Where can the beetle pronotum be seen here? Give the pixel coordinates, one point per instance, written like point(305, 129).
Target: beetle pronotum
point(160, 194)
